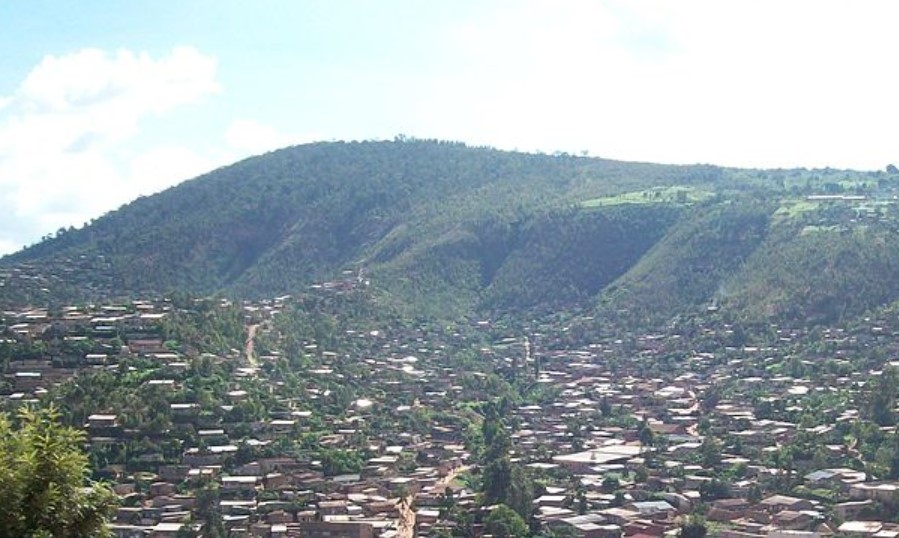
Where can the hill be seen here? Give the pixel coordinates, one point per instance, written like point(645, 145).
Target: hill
point(446, 230)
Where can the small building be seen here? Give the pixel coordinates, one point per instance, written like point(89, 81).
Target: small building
point(335, 529)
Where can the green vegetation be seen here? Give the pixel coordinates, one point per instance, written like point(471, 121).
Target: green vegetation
point(794, 208)
point(825, 276)
point(694, 528)
point(462, 317)
point(688, 266)
point(343, 383)
point(655, 195)
point(566, 258)
point(503, 522)
point(444, 231)
point(44, 488)
point(505, 483)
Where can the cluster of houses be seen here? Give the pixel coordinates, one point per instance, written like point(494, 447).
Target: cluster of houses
point(631, 436)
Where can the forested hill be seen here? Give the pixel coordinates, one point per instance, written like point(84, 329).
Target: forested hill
point(446, 229)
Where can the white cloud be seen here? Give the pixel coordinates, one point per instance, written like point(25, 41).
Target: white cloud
point(162, 167)
point(64, 134)
point(748, 83)
point(251, 137)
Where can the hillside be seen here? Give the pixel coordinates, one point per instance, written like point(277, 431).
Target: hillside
point(688, 266)
point(444, 229)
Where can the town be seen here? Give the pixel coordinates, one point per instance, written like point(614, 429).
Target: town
point(324, 426)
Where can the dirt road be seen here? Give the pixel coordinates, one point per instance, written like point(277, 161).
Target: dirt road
point(406, 527)
point(248, 346)
point(444, 482)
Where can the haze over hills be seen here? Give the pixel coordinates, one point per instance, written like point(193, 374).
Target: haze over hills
point(443, 229)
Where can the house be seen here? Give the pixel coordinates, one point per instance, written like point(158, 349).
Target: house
point(278, 517)
point(557, 501)
point(275, 481)
point(335, 529)
point(102, 421)
point(619, 516)
point(173, 473)
point(130, 531)
point(785, 533)
point(652, 509)
point(240, 483)
point(779, 503)
point(727, 509)
point(161, 488)
point(860, 528)
point(851, 509)
point(874, 491)
point(792, 520)
point(613, 453)
point(834, 478)
point(330, 508)
point(587, 526)
point(168, 530)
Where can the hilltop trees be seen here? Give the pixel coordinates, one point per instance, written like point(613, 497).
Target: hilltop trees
point(44, 490)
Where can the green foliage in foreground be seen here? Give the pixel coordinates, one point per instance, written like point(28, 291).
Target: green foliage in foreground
point(44, 490)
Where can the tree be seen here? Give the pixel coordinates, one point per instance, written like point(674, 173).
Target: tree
point(504, 482)
point(44, 481)
point(503, 522)
point(714, 489)
point(879, 398)
point(610, 484)
point(710, 452)
point(497, 479)
point(710, 398)
point(754, 495)
point(338, 461)
point(647, 437)
point(605, 407)
point(581, 500)
point(520, 496)
point(641, 474)
point(208, 512)
point(694, 528)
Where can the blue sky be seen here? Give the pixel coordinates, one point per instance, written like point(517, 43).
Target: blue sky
point(103, 101)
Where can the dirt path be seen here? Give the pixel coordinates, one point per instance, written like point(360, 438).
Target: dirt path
point(406, 527)
point(248, 346)
point(444, 482)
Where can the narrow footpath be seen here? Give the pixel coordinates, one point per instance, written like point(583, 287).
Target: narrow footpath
point(248, 346)
point(406, 527)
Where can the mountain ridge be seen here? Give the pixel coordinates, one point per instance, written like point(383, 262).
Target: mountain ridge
point(448, 230)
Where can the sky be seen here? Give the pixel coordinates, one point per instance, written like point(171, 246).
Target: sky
point(104, 101)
